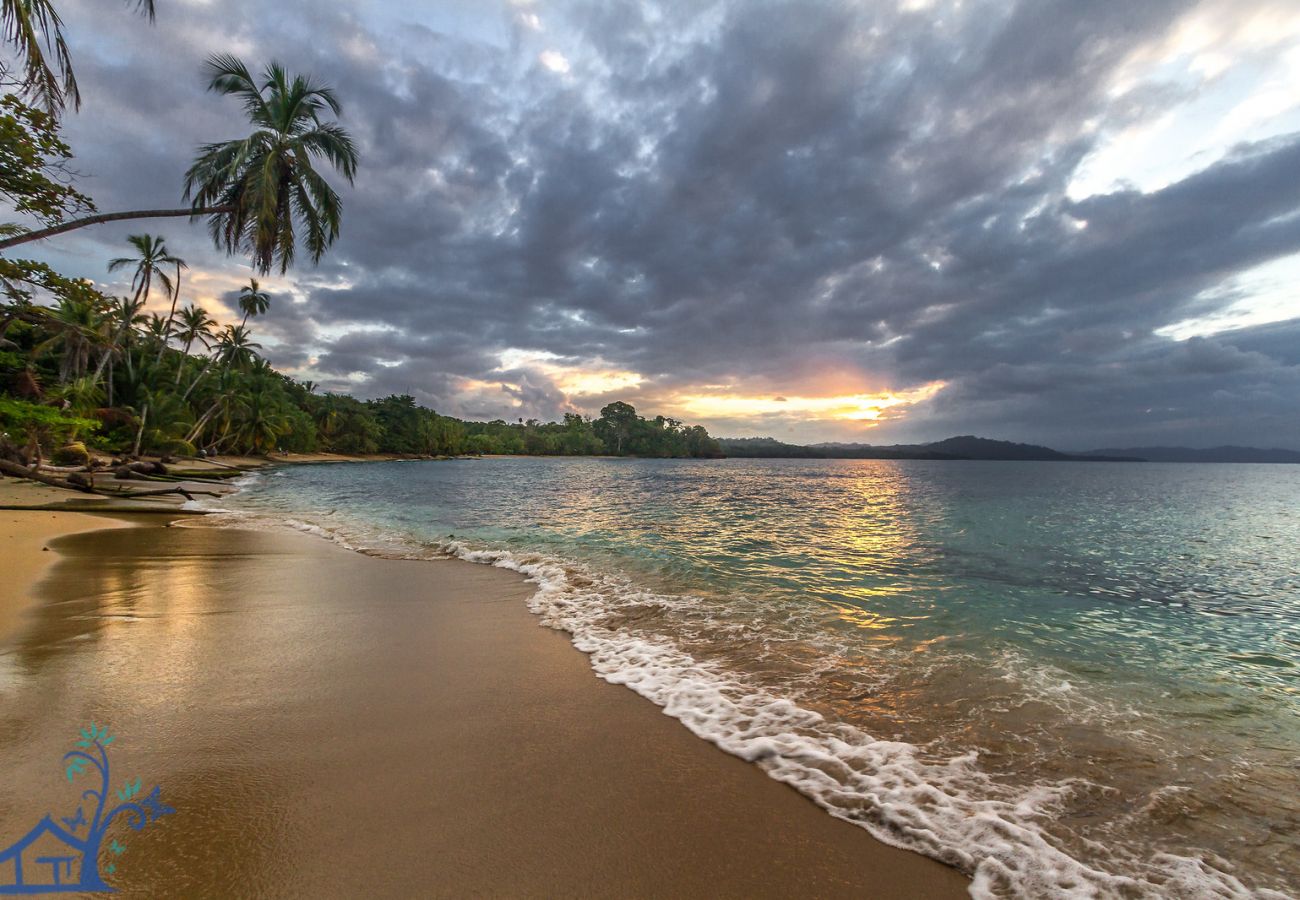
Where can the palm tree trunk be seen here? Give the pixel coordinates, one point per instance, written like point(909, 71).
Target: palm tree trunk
point(180, 367)
point(111, 217)
point(107, 358)
point(176, 295)
point(139, 434)
point(202, 422)
point(197, 379)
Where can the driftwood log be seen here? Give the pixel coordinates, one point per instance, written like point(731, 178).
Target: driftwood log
point(84, 486)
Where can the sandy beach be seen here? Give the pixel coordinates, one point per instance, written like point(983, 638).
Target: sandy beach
point(330, 724)
point(25, 535)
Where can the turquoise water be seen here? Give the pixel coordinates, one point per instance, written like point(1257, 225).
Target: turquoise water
point(1063, 678)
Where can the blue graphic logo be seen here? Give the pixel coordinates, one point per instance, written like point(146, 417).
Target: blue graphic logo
point(56, 856)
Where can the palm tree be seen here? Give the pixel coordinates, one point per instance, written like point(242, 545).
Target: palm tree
point(34, 28)
point(168, 419)
point(254, 190)
point(156, 328)
point(171, 313)
point(151, 262)
point(253, 301)
point(80, 397)
point(234, 349)
point(268, 180)
point(78, 326)
point(195, 325)
point(119, 320)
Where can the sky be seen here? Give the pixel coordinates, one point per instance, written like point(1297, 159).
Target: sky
point(1071, 222)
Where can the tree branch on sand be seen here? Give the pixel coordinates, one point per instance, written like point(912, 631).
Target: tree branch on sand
point(85, 485)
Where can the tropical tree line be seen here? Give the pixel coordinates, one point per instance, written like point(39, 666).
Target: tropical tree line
point(95, 372)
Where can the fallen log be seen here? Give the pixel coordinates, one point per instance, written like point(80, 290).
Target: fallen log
point(188, 495)
point(18, 471)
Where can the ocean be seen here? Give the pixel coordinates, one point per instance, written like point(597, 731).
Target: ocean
point(1066, 679)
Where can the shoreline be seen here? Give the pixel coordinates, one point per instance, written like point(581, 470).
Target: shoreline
point(28, 558)
point(31, 517)
point(437, 655)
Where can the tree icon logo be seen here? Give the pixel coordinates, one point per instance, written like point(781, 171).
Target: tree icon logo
point(63, 855)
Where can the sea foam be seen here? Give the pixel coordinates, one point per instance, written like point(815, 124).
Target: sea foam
point(944, 808)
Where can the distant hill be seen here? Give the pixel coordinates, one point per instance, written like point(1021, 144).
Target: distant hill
point(962, 447)
point(968, 446)
point(1210, 455)
point(767, 448)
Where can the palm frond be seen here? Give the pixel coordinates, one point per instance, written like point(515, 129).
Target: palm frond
point(33, 28)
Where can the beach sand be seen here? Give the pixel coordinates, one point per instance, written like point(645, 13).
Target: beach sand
point(24, 541)
point(330, 724)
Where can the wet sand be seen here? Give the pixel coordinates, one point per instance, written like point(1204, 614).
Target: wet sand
point(329, 724)
point(25, 538)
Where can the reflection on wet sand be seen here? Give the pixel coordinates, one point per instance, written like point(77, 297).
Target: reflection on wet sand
point(329, 724)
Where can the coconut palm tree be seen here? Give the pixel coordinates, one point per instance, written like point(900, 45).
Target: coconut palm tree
point(256, 191)
point(155, 328)
point(171, 313)
point(34, 29)
point(260, 422)
point(267, 181)
point(195, 325)
point(234, 349)
point(152, 261)
point(253, 301)
point(78, 328)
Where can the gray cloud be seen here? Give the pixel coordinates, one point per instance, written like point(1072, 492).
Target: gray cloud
point(769, 195)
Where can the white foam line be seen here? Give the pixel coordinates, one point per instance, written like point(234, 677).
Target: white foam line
point(949, 810)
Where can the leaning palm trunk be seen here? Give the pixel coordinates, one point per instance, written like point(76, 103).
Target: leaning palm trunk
point(192, 212)
point(197, 379)
point(167, 331)
point(180, 366)
point(106, 360)
point(139, 434)
point(166, 335)
point(203, 421)
point(122, 330)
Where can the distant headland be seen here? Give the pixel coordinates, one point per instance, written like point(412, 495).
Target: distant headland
point(971, 447)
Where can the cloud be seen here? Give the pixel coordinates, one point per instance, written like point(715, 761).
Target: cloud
point(671, 200)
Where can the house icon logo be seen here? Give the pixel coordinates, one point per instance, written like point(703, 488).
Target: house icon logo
point(65, 854)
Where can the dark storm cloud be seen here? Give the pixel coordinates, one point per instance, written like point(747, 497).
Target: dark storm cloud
point(746, 193)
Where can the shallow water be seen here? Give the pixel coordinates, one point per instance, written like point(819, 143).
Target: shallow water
point(1061, 677)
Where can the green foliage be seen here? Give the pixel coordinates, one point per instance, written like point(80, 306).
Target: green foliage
point(34, 422)
point(34, 31)
point(112, 376)
point(21, 279)
point(34, 177)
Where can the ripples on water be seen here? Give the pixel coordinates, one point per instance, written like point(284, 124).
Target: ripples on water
point(1061, 677)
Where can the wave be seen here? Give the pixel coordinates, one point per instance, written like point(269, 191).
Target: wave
point(944, 808)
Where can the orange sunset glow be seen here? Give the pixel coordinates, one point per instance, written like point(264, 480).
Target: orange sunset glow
point(864, 407)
